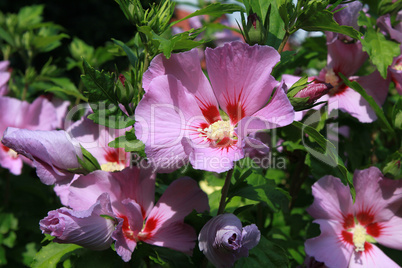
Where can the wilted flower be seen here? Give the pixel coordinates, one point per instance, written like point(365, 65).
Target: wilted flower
point(349, 230)
point(223, 240)
point(131, 195)
point(179, 120)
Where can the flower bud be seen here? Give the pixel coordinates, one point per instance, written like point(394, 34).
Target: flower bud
point(255, 32)
point(314, 91)
point(124, 90)
point(223, 240)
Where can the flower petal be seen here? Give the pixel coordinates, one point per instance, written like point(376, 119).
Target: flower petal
point(375, 85)
point(186, 68)
point(391, 233)
point(85, 228)
point(371, 259)
point(328, 246)
point(332, 200)
point(52, 152)
point(240, 77)
point(163, 117)
point(179, 199)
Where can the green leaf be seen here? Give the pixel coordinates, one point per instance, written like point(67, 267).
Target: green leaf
point(30, 15)
point(130, 54)
point(129, 142)
point(7, 222)
point(276, 30)
point(89, 162)
point(53, 253)
point(381, 51)
point(65, 86)
point(48, 43)
point(377, 109)
point(102, 99)
point(265, 254)
point(9, 241)
point(216, 10)
point(6, 37)
point(327, 152)
point(393, 166)
point(315, 17)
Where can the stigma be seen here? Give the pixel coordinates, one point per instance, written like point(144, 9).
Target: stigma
point(217, 131)
point(359, 237)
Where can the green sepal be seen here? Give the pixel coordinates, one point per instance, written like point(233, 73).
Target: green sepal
point(89, 162)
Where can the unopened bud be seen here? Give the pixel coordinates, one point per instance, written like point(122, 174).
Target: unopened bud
point(124, 90)
point(255, 31)
point(314, 91)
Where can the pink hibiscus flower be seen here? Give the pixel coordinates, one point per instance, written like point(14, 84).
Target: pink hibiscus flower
point(349, 230)
point(127, 197)
point(179, 119)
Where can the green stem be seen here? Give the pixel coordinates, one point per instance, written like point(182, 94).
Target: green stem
point(225, 190)
point(284, 40)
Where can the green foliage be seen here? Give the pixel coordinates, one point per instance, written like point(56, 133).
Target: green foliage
point(381, 51)
point(129, 142)
point(53, 253)
point(100, 90)
point(8, 228)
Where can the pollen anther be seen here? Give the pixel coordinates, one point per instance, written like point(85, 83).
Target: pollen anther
point(217, 131)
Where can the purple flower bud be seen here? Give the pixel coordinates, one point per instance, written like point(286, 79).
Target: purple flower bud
point(223, 240)
point(314, 91)
point(87, 228)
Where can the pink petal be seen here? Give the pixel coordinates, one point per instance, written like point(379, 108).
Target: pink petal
point(240, 77)
point(209, 158)
point(130, 224)
point(371, 201)
point(52, 152)
point(375, 85)
point(371, 259)
point(186, 68)
point(346, 58)
point(13, 164)
point(349, 101)
point(178, 236)
point(328, 247)
point(4, 65)
point(4, 77)
point(164, 117)
point(391, 233)
point(61, 107)
point(278, 113)
point(332, 200)
point(179, 199)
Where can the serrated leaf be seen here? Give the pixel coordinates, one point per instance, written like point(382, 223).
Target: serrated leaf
point(216, 10)
point(381, 51)
point(50, 255)
point(129, 142)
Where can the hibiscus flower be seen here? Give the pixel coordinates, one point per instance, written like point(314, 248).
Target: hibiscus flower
point(179, 119)
point(350, 230)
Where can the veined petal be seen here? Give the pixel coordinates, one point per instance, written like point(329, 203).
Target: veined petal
point(346, 58)
point(328, 247)
point(186, 68)
point(85, 228)
point(390, 234)
point(375, 85)
point(164, 117)
point(129, 226)
point(332, 200)
point(351, 102)
point(215, 159)
point(177, 235)
point(240, 77)
point(372, 258)
point(52, 152)
point(278, 113)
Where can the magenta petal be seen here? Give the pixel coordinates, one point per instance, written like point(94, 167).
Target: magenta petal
point(186, 68)
point(180, 198)
point(391, 233)
point(164, 117)
point(85, 228)
point(126, 231)
point(52, 152)
point(345, 58)
point(178, 236)
point(372, 259)
point(240, 77)
point(332, 200)
point(384, 23)
point(328, 246)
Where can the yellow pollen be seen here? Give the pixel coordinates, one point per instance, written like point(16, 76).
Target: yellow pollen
point(331, 78)
point(217, 131)
point(397, 67)
point(359, 237)
point(112, 166)
point(12, 153)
